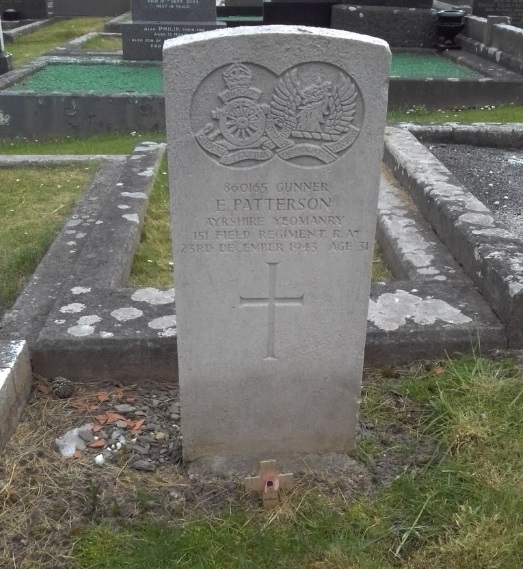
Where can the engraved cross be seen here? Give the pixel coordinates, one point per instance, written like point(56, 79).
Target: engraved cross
point(271, 301)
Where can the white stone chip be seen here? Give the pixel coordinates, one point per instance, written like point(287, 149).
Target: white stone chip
point(132, 217)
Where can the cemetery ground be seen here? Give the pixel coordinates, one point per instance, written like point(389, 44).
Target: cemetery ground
point(436, 481)
point(436, 478)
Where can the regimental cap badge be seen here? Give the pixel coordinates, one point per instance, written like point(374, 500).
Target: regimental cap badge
point(237, 75)
point(310, 115)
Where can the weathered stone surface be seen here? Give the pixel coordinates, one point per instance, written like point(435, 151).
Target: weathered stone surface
point(275, 140)
point(490, 253)
point(15, 386)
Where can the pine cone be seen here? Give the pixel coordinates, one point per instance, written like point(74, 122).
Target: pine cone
point(62, 387)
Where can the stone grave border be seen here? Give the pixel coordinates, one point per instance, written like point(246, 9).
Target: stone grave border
point(11, 34)
point(80, 321)
point(488, 251)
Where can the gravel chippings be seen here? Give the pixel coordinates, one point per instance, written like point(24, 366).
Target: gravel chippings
point(493, 175)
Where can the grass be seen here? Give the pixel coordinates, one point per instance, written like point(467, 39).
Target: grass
point(34, 203)
point(33, 45)
point(442, 445)
point(118, 143)
point(103, 43)
point(152, 265)
point(462, 508)
point(488, 113)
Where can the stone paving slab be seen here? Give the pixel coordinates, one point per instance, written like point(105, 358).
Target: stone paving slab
point(489, 252)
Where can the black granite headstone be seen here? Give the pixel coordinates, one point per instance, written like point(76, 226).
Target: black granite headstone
point(391, 3)
point(316, 13)
point(154, 21)
point(512, 8)
point(173, 10)
point(28, 9)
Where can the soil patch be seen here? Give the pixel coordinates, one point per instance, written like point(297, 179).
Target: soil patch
point(47, 500)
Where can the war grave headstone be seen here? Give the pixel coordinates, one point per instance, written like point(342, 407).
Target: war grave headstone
point(275, 137)
point(512, 8)
point(154, 21)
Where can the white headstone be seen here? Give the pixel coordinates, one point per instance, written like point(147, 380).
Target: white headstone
point(275, 139)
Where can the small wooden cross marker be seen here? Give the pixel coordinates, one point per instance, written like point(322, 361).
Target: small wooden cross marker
point(268, 483)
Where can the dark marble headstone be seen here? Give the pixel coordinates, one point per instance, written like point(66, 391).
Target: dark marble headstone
point(29, 9)
point(391, 3)
point(512, 8)
point(173, 10)
point(154, 21)
point(316, 13)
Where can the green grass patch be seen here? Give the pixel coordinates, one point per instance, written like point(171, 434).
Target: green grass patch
point(122, 143)
point(33, 45)
point(34, 203)
point(103, 43)
point(488, 113)
point(152, 265)
point(460, 508)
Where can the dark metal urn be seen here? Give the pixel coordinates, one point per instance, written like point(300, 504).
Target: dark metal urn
point(450, 23)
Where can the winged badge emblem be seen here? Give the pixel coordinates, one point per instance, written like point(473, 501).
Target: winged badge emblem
point(317, 110)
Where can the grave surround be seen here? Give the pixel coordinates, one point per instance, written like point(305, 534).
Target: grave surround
point(431, 311)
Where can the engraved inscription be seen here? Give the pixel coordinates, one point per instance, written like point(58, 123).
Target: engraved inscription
point(309, 115)
point(271, 301)
point(305, 223)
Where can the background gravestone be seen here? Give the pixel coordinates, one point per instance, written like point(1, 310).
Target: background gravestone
point(401, 23)
point(512, 8)
point(154, 21)
point(29, 9)
point(275, 139)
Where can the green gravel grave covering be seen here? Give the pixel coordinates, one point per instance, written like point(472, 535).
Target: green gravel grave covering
point(425, 65)
point(101, 78)
point(113, 78)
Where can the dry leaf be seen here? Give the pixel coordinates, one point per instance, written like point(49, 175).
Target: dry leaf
point(438, 370)
point(101, 418)
point(96, 428)
point(102, 396)
point(77, 454)
point(97, 444)
point(135, 425)
point(42, 388)
point(113, 417)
